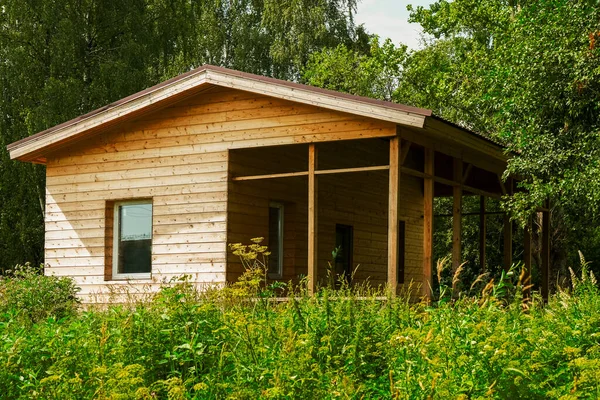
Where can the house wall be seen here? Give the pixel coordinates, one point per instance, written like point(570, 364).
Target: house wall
point(178, 157)
point(356, 199)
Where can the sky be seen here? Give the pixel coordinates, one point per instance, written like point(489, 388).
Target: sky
point(389, 18)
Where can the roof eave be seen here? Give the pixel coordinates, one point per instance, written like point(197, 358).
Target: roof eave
point(29, 148)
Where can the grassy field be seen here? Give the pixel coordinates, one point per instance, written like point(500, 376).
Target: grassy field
point(237, 343)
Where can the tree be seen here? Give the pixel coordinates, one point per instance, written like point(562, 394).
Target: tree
point(61, 59)
point(526, 74)
point(374, 74)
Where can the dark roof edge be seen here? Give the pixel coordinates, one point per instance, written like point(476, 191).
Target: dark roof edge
point(473, 133)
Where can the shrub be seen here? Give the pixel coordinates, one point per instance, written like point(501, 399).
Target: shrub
point(27, 294)
point(347, 343)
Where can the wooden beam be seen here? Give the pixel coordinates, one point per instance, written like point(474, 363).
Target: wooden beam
point(357, 169)
point(393, 205)
point(465, 214)
point(545, 254)
point(404, 151)
point(527, 260)
point(305, 173)
point(482, 234)
point(449, 182)
point(269, 176)
point(428, 222)
point(313, 221)
point(457, 215)
point(508, 233)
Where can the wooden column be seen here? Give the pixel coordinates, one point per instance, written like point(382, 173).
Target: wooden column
point(546, 253)
point(457, 214)
point(508, 232)
point(527, 259)
point(428, 222)
point(312, 219)
point(393, 202)
point(482, 234)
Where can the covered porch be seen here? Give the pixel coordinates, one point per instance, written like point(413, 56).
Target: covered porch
point(364, 208)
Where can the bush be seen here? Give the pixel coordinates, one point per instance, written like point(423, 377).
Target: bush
point(346, 344)
point(27, 294)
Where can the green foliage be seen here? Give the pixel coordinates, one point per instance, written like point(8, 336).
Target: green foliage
point(337, 344)
point(523, 73)
point(29, 296)
point(375, 74)
point(62, 59)
point(526, 74)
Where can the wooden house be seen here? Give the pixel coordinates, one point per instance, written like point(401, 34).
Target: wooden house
point(157, 184)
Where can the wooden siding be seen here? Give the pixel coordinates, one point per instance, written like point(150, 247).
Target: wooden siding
point(356, 199)
point(178, 157)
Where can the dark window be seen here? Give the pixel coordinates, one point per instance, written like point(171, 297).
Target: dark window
point(276, 240)
point(345, 248)
point(132, 245)
point(401, 250)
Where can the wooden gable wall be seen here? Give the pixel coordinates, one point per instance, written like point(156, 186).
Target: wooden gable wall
point(178, 157)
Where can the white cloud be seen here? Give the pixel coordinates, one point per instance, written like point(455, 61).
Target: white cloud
point(389, 18)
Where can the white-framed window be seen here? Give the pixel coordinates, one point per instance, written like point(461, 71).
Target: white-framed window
point(132, 239)
point(275, 240)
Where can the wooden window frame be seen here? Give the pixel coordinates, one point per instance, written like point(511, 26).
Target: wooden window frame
point(115, 241)
point(280, 234)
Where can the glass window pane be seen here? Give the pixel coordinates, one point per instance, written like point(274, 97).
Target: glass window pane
point(135, 238)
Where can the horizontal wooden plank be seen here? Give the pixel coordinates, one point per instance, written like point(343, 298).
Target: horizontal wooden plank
point(176, 238)
point(131, 183)
point(74, 243)
point(128, 174)
point(248, 114)
point(54, 169)
point(197, 227)
point(189, 218)
point(189, 248)
point(232, 133)
point(223, 103)
point(160, 210)
point(182, 258)
point(136, 193)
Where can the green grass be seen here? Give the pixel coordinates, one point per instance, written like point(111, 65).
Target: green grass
point(237, 343)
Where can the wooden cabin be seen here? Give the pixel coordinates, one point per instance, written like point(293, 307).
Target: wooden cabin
point(157, 184)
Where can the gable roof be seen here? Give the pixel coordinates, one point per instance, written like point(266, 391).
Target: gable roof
point(193, 82)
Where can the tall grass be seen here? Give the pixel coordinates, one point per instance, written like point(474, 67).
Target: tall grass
point(240, 343)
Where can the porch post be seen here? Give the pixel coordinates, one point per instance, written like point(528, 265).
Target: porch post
point(312, 219)
point(457, 214)
point(428, 222)
point(482, 233)
point(394, 196)
point(546, 252)
point(527, 259)
point(508, 231)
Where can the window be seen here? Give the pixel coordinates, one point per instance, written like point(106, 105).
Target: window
point(401, 250)
point(275, 240)
point(132, 240)
point(345, 248)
